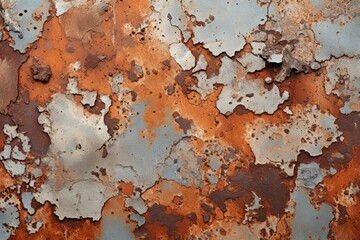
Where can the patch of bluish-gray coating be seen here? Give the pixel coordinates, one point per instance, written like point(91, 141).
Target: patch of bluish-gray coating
point(137, 160)
point(170, 21)
point(137, 218)
point(226, 23)
point(14, 168)
point(26, 199)
point(318, 3)
point(250, 93)
point(215, 163)
point(167, 186)
point(130, 158)
point(36, 172)
point(308, 222)
point(22, 26)
point(327, 123)
point(332, 171)
point(169, 171)
point(17, 154)
point(76, 138)
point(252, 62)
point(9, 219)
point(137, 203)
point(309, 175)
point(213, 180)
point(115, 228)
point(88, 97)
point(33, 226)
point(115, 81)
point(343, 79)
point(271, 144)
point(5, 154)
point(354, 100)
point(337, 40)
point(182, 165)
point(1, 34)
point(14, 153)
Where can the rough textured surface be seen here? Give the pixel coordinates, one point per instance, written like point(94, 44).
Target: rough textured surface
point(179, 119)
point(10, 62)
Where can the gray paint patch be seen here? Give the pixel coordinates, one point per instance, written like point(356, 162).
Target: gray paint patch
point(33, 227)
point(182, 165)
point(226, 23)
point(88, 97)
point(9, 219)
point(14, 168)
point(238, 90)
point(280, 144)
point(251, 94)
point(337, 40)
point(24, 27)
point(169, 21)
point(115, 228)
point(251, 62)
point(308, 222)
point(76, 140)
point(137, 218)
point(201, 64)
point(182, 55)
point(309, 175)
point(343, 80)
point(26, 199)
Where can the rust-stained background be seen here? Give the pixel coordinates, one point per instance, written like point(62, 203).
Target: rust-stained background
point(179, 119)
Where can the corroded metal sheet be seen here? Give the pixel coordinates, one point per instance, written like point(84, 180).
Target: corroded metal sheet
point(179, 119)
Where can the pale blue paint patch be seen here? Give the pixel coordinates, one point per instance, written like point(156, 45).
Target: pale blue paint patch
point(26, 198)
point(137, 218)
point(26, 29)
point(309, 175)
point(215, 163)
point(213, 180)
point(136, 159)
point(332, 171)
point(318, 3)
point(308, 222)
point(354, 97)
point(182, 165)
point(9, 220)
point(115, 228)
point(337, 40)
point(170, 170)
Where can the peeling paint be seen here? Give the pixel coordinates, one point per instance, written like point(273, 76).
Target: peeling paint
point(179, 119)
point(218, 33)
point(308, 130)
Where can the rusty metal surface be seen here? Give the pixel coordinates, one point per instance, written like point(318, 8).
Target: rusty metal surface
point(179, 119)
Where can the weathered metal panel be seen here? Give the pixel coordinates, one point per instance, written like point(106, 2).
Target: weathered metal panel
point(179, 119)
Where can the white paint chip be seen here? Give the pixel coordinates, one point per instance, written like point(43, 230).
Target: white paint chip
point(251, 62)
point(182, 56)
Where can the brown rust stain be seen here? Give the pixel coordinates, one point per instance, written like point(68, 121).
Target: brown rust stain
point(26, 117)
point(10, 62)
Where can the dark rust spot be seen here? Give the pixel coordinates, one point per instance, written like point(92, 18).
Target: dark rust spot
point(185, 124)
point(135, 72)
point(40, 72)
